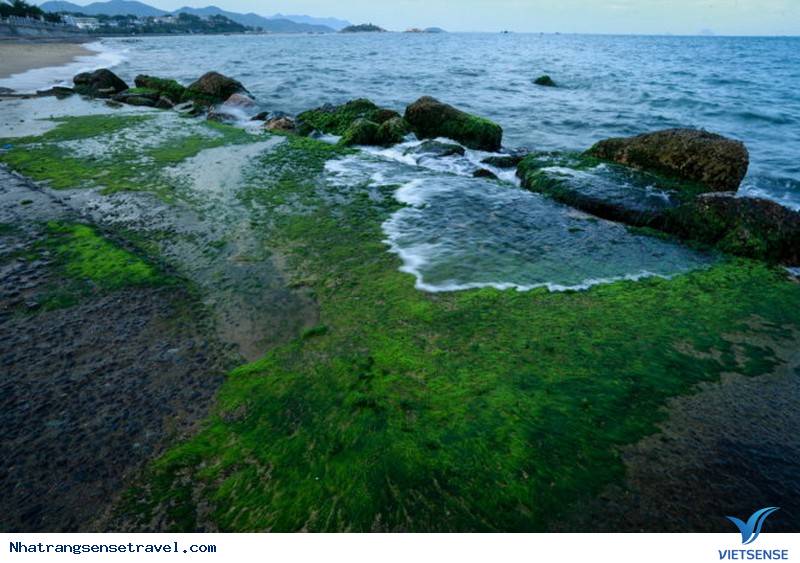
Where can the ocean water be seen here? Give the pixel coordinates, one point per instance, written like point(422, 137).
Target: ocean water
point(460, 232)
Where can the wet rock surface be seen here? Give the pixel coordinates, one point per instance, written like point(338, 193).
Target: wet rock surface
point(729, 449)
point(91, 389)
point(709, 159)
point(429, 118)
point(101, 83)
point(212, 88)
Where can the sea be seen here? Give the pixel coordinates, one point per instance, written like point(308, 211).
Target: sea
point(458, 232)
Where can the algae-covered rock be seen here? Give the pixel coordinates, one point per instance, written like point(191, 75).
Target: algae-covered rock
point(138, 97)
point(429, 118)
point(506, 160)
point(335, 120)
point(745, 226)
point(705, 158)
point(212, 88)
point(361, 132)
point(167, 88)
point(607, 190)
point(437, 149)
point(100, 83)
point(545, 80)
point(392, 131)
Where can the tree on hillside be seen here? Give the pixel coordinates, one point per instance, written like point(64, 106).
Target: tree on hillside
point(22, 9)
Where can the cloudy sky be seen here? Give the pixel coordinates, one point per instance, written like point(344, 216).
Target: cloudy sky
point(731, 17)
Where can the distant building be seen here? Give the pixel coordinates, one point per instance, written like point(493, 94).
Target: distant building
point(82, 23)
point(165, 19)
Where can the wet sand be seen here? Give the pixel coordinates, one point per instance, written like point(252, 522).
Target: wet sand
point(20, 56)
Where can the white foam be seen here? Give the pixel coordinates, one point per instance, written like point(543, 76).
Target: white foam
point(43, 78)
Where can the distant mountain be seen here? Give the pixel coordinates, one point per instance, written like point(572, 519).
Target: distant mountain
point(125, 7)
point(110, 8)
point(333, 23)
point(254, 20)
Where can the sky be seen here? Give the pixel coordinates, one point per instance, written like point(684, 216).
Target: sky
point(723, 17)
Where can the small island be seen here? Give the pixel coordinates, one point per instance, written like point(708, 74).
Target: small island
point(363, 28)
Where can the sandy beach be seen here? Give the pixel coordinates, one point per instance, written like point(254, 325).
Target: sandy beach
point(21, 56)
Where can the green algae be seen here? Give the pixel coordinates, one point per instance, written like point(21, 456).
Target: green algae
point(336, 120)
point(83, 254)
point(47, 157)
point(475, 410)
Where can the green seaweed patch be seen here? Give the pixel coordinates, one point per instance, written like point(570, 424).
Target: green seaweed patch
point(474, 410)
point(85, 255)
point(83, 127)
point(132, 168)
point(336, 120)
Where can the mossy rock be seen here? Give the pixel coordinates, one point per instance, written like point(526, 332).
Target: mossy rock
point(212, 88)
point(717, 163)
point(393, 131)
point(361, 132)
point(545, 80)
point(750, 227)
point(335, 120)
point(436, 148)
point(429, 118)
point(166, 87)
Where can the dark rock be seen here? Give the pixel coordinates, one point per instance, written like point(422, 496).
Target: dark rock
point(437, 148)
point(164, 103)
point(361, 132)
point(505, 161)
point(483, 173)
point(6, 91)
point(213, 88)
point(713, 161)
point(261, 116)
point(138, 97)
point(166, 88)
point(392, 131)
point(745, 226)
point(101, 83)
point(545, 80)
point(429, 118)
point(57, 91)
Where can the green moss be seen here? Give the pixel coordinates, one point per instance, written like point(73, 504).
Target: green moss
point(131, 168)
point(475, 410)
point(165, 87)
point(361, 132)
point(336, 120)
point(85, 255)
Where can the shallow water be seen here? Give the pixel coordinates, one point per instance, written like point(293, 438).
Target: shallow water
point(457, 232)
point(743, 87)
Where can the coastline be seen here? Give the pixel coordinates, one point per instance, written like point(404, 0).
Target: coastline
point(21, 56)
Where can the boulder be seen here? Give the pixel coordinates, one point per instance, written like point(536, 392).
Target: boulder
point(166, 88)
point(101, 83)
point(436, 148)
point(282, 123)
point(212, 88)
point(138, 97)
point(164, 103)
point(745, 226)
point(59, 92)
point(484, 173)
point(545, 80)
point(392, 131)
point(506, 160)
point(336, 120)
point(240, 101)
point(704, 159)
point(429, 118)
point(361, 132)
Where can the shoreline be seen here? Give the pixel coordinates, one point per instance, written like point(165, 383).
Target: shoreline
point(17, 57)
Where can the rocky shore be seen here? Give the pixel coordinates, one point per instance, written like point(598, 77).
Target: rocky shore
point(146, 253)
